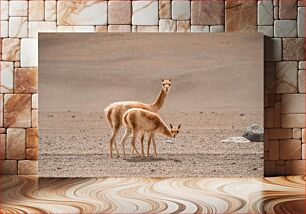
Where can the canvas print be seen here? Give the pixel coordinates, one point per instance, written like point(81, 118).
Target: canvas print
point(150, 105)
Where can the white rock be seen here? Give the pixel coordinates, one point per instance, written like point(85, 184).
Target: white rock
point(50, 10)
point(216, 28)
point(18, 8)
point(238, 139)
point(18, 27)
point(266, 30)
point(181, 10)
point(145, 13)
point(36, 26)
point(301, 22)
point(183, 26)
point(84, 13)
point(285, 28)
point(4, 6)
point(265, 12)
point(147, 28)
point(4, 29)
point(7, 77)
point(75, 29)
point(167, 25)
point(199, 28)
point(29, 53)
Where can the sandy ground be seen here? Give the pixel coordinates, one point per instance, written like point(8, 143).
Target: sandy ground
point(75, 144)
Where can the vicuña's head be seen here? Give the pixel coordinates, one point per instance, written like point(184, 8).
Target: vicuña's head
point(166, 85)
point(175, 130)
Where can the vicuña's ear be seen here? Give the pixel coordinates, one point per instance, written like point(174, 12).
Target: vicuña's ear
point(170, 79)
point(162, 79)
point(171, 126)
point(179, 126)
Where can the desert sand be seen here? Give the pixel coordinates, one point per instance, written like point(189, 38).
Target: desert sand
point(81, 149)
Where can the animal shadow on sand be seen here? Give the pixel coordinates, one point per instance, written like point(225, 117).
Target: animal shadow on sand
point(144, 159)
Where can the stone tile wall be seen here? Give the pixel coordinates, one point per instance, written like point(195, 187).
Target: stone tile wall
point(282, 21)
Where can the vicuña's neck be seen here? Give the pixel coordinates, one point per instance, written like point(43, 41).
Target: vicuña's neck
point(165, 131)
point(159, 100)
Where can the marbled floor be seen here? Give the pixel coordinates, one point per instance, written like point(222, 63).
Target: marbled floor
point(139, 195)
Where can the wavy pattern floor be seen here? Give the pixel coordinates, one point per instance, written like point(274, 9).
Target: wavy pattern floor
point(26, 194)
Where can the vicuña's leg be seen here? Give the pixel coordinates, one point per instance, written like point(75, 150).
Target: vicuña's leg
point(149, 143)
point(134, 141)
point(112, 140)
point(141, 140)
point(123, 140)
point(154, 144)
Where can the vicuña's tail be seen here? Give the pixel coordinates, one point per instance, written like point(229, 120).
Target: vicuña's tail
point(108, 113)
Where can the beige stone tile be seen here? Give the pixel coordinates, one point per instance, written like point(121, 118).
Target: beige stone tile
point(28, 167)
point(277, 114)
point(165, 9)
point(26, 80)
point(18, 8)
point(183, 26)
point(4, 32)
point(303, 151)
point(88, 12)
point(119, 12)
point(32, 138)
point(285, 28)
point(207, 12)
point(18, 27)
point(39, 26)
point(15, 144)
point(2, 146)
point(1, 110)
point(8, 167)
point(199, 28)
point(216, 28)
point(265, 12)
point(275, 11)
point(293, 120)
point(303, 135)
point(302, 65)
point(76, 28)
point(32, 154)
point(146, 29)
point(119, 28)
point(11, 49)
point(287, 9)
point(286, 77)
point(280, 133)
point(17, 110)
point(290, 149)
point(2, 130)
point(145, 12)
point(29, 52)
point(293, 49)
point(17, 64)
point(180, 10)
point(4, 9)
point(34, 118)
point(295, 167)
point(34, 101)
point(266, 30)
point(273, 49)
point(293, 103)
point(240, 16)
point(301, 81)
point(301, 22)
point(297, 133)
point(273, 149)
point(36, 10)
point(50, 10)
point(6, 77)
point(167, 25)
point(101, 28)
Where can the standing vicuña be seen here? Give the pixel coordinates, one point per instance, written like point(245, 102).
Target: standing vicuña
point(114, 112)
point(138, 120)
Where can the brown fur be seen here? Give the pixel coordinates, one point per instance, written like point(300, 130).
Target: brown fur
point(138, 120)
point(115, 111)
